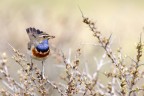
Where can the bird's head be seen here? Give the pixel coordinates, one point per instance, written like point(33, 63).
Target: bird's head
point(45, 36)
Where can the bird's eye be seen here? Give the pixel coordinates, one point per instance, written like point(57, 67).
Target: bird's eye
point(44, 36)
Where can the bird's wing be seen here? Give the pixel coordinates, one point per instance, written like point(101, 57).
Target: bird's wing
point(29, 45)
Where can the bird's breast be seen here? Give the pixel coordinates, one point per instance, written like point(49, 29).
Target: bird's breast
point(38, 54)
point(41, 51)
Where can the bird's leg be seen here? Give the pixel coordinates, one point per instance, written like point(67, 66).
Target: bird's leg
point(42, 74)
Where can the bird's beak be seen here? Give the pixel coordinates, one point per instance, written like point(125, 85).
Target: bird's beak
point(50, 37)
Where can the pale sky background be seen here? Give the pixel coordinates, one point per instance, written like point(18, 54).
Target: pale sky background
point(123, 18)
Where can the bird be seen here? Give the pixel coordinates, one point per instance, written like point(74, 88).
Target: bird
point(38, 44)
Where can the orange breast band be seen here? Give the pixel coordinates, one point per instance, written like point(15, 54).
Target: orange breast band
point(40, 54)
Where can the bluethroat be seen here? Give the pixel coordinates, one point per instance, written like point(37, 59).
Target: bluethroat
point(38, 45)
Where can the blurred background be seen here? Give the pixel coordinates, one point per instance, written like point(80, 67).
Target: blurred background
point(124, 19)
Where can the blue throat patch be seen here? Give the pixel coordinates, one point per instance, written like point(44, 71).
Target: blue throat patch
point(43, 46)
